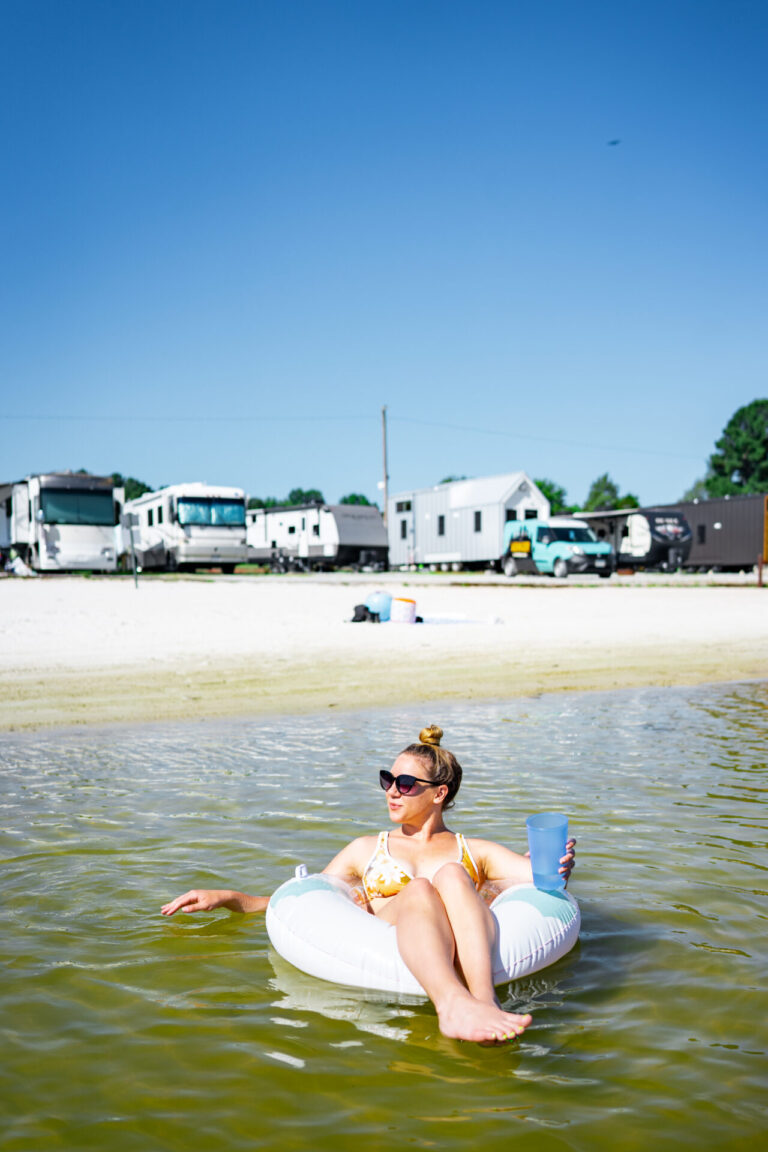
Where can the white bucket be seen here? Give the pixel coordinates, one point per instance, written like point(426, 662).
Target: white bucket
point(402, 611)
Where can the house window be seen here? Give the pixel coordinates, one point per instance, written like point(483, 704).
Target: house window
point(511, 514)
point(531, 513)
point(701, 533)
point(403, 506)
point(478, 521)
point(403, 529)
point(441, 525)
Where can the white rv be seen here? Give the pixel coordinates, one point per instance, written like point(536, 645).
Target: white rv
point(62, 522)
point(317, 536)
point(188, 526)
point(460, 524)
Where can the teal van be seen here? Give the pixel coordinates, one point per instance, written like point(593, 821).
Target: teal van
point(558, 546)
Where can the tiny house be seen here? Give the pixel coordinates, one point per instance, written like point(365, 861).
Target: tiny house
point(460, 523)
point(730, 533)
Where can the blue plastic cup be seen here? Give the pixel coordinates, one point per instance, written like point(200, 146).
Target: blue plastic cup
point(547, 836)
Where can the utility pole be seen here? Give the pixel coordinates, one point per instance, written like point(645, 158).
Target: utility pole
point(386, 467)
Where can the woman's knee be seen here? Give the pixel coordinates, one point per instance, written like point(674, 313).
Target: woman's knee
point(452, 877)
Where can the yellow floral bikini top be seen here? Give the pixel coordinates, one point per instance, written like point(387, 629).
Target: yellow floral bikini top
point(383, 876)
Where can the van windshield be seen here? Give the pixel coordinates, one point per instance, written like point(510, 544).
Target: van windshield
point(209, 511)
point(77, 506)
point(573, 535)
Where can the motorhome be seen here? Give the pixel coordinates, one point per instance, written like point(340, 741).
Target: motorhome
point(460, 523)
point(188, 526)
point(62, 522)
point(644, 537)
point(557, 546)
point(317, 536)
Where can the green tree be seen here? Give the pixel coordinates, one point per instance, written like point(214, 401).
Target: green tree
point(699, 490)
point(558, 500)
point(133, 488)
point(450, 479)
point(265, 502)
point(740, 460)
point(355, 498)
point(305, 496)
point(604, 494)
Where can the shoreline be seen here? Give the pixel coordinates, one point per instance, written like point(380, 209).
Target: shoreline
point(77, 652)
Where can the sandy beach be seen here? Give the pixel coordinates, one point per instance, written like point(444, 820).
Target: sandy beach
point(97, 650)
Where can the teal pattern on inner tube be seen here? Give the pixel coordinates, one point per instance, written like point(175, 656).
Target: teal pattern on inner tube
point(299, 886)
point(554, 904)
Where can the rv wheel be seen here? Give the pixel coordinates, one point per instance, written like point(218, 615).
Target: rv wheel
point(510, 567)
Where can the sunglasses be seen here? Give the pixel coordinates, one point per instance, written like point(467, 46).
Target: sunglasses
point(405, 784)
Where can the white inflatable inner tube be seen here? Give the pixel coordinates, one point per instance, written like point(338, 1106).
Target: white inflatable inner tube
point(314, 923)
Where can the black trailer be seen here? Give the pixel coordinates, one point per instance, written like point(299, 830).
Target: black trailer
point(658, 537)
point(729, 534)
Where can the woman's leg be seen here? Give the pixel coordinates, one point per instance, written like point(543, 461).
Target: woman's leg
point(426, 943)
point(473, 928)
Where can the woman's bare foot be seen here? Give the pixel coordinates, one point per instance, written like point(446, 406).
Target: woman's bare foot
point(462, 1017)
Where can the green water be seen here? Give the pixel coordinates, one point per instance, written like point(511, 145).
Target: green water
point(122, 1030)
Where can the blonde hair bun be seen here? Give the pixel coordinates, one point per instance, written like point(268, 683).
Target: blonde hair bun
point(431, 735)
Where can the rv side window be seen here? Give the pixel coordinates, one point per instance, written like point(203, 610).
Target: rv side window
point(403, 529)
point(441, 525)
point(701, 533)
point(291, 529)
point(478, 521)
point(160, 514)
point(315, 529)
point(149, 518)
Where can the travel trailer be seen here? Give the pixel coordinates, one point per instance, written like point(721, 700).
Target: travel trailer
point(188, 526)
point(460, 524)
point(643, 537)
point(62, 522)
point(317, 536)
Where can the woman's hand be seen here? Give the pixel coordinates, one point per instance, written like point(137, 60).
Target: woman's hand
point(207, 899)
point(568, 862)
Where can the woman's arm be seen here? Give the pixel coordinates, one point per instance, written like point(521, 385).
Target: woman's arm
point(206, 899)
point(502, 867)
point(349, 864)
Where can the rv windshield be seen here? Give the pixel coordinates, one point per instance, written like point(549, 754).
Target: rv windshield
point(574, 535)
point(212, 512)
point(77, 506)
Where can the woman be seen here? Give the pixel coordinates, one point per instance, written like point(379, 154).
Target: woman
point(426, 881)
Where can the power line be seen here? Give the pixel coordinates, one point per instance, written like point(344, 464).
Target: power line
point(523, 435)
point(520, 435)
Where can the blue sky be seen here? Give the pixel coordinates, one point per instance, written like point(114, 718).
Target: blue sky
point(232, 231)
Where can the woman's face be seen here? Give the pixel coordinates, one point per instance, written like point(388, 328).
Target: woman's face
point(419, 803)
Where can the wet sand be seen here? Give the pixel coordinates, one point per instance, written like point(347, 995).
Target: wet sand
point(94, 651)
